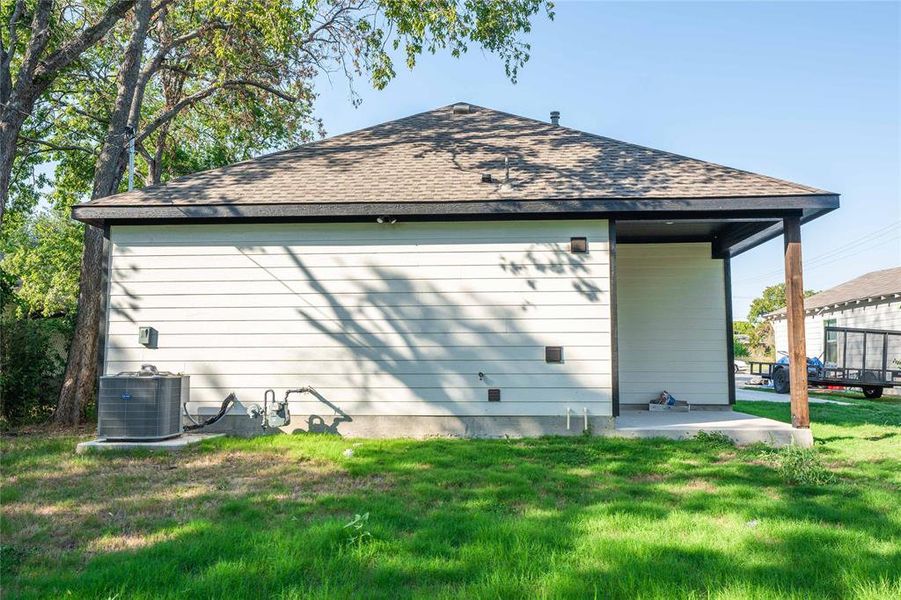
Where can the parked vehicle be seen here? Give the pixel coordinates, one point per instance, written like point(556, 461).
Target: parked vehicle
point(866, 358)
point(740, 366)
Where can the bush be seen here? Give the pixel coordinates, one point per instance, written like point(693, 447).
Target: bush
point(32, 365)
point(802, 466)
point(739, 350)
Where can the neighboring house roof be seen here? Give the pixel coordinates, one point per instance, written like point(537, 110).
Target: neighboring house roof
point(869, 287)
point(441, 156)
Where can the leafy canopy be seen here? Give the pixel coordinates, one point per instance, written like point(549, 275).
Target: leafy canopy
point(772, 298)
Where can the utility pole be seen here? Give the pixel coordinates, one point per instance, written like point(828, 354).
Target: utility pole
point(130, 132)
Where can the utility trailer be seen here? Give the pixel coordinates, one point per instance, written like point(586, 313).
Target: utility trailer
point(866, 358)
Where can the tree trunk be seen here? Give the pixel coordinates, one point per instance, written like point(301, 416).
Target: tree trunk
point(10, 126)
point(81, 370)
point(80, 380)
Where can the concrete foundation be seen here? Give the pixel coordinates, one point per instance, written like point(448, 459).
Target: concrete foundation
point(419, 427)
point(740, 427)
point(172, 444)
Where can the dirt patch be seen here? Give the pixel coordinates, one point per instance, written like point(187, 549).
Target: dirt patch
point(109, 503)
point(647, 478)
point(698, 485)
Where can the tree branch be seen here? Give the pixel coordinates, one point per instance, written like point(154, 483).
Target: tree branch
point(177, 108)
point(234, 83)
point(204, 94)
point(161, 5)
point(87, 37)
point(40, 36)
point(59, 147)
point(6, 57)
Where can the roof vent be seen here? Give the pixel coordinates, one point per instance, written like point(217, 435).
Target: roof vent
point(486, 178)
point(555, 117)
point(461, 108)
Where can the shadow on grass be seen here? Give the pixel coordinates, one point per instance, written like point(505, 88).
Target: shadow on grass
point(553, 517)
point(861, 412)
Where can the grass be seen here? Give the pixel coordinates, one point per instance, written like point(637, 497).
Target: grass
point(293, 517)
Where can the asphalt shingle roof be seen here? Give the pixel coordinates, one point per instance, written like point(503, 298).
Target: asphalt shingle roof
point(441, 155)
point(872, 285)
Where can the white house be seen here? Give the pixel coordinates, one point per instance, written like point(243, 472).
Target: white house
point(871, 301)
point(461, 271)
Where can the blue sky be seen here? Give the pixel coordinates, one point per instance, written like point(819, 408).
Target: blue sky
point(804, 91)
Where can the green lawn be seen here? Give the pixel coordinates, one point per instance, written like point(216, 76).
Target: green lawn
point(546, 518)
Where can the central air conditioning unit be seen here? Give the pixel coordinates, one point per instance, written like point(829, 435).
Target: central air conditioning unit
point(144, 405)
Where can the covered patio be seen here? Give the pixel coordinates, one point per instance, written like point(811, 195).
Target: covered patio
point(728, 233)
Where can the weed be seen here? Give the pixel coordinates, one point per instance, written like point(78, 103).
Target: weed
point(802, 466)
point(714, 439)
point(358, 534)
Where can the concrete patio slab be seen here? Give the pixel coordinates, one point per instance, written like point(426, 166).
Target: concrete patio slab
point(170, 445)
point(740, 427)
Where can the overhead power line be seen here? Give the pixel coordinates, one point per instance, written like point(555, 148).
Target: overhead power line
point(868, 241)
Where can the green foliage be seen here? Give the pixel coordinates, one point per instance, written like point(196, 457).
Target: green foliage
point(715, 439)
point(742, 327)
point(772, 298)
point(32, 352)
point(802, 466)
point(359, 533)
point(238, 78)
point(760, 338)
point(415, 26)
point(739, 350)
point(40, 262)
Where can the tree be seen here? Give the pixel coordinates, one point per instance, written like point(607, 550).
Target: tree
point(33, 53)
point(170, 66)
point(771, 299)
point(758, 329)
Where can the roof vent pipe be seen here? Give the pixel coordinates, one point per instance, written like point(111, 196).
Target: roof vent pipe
point(555, 117)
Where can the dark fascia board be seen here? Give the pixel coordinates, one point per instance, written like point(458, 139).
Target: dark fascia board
point(96, 214)
point(763, 214)
point(729, 248)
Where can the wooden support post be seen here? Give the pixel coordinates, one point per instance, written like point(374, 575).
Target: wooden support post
point(797, 346)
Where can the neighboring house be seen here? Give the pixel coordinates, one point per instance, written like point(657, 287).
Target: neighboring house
point(461, 271)
point(871, 301)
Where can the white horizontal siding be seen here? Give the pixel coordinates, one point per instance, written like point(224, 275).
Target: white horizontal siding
point(350, 328)
point(382, 320)
point(122, 317)
point(394, 343)
point(874, 315)
point(671, 323)
point(503, 300)
point(341, 353)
